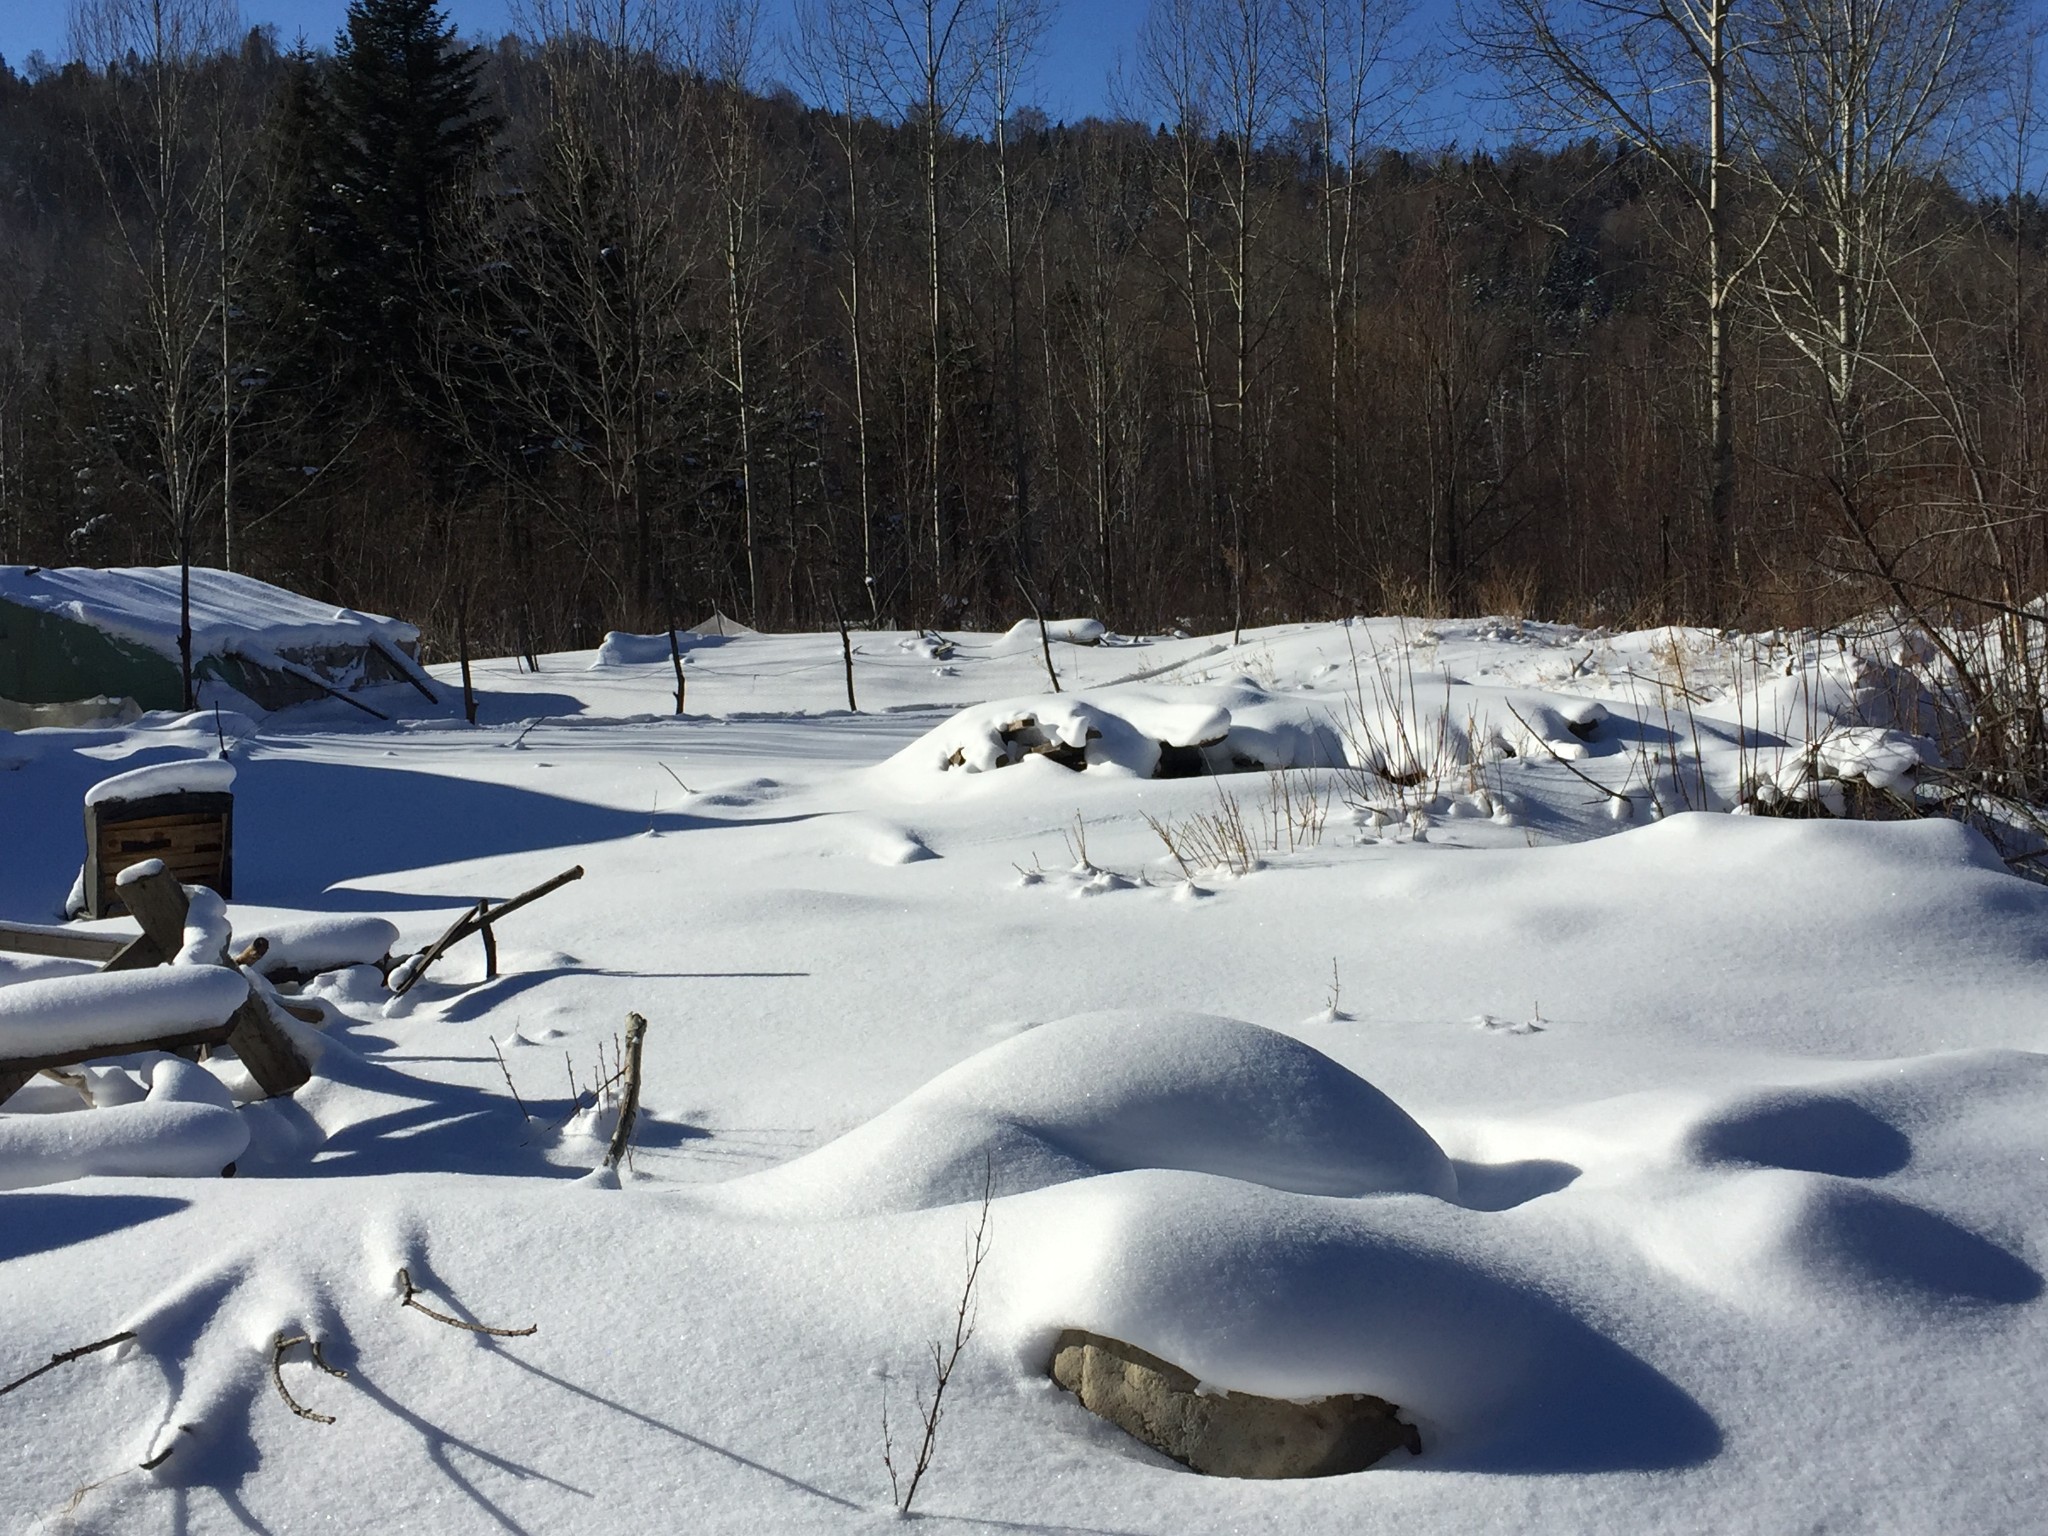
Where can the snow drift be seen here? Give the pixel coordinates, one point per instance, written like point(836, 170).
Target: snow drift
point(1107, 1092)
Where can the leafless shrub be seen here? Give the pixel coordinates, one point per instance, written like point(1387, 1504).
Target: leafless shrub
point(943, 1356)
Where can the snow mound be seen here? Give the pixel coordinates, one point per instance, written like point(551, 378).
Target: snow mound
point(1294, 1297)
point(1777, 1239)
point(620, 649)
point(1108, 1092)
point(313, 944)
point(193, 776)
point(186, 1128)
point(1067, 631)
point(1128, 728)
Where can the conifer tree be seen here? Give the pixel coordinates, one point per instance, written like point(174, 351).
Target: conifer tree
point(403, 124)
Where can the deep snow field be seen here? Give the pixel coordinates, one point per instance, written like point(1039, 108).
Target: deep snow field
point(1736, 1225)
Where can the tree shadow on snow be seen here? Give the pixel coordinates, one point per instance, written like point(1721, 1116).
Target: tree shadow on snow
point(41, 1223)
point(304, 827)
point(473, 1001)
point(784, 1479)
point(437, 1127)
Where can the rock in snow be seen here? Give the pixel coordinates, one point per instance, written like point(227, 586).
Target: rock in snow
point(1226, 1434)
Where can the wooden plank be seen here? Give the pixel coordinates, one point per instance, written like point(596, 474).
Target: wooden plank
point(192, 830)
point(159, 904)
point(28, 1066)
point(62, 943)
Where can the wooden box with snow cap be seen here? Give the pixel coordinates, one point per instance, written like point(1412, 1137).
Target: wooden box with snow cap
point(182, 813)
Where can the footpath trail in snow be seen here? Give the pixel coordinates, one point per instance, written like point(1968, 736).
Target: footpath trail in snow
point(1438, 1035)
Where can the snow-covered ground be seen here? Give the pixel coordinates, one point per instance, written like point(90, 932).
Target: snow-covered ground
point(1672, 1171)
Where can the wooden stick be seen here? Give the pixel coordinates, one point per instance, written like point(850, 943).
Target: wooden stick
point(416, 967)
point(629, 1110)
point(67, 1357)
point(1044, 640)
point(846, 654)
point(12, 1081)
point(478, 919)
point(489, 914)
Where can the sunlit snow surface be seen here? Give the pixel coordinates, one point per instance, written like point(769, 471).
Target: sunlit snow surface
point(1675, 1172)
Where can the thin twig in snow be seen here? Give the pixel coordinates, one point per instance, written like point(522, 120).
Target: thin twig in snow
point(67, 1357)
point(277, 1349)
point(411, 1299)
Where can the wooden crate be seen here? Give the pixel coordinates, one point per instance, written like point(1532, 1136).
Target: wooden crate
point(193, 833)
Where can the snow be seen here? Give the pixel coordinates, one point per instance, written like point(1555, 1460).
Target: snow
point(63, 1013)
point(1065, 631)
point(201, 776)
point(314, 944)
point(186, 1127)
point(1674, 1170)
point(141, 604)
point(1106, 1093)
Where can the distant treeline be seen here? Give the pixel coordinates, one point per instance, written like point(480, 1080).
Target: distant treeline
point(597, 329)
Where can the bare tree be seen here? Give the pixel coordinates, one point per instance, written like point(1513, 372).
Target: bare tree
point(929, 59)
point(1341, 57)
point(1016, 30)
point(1658, 75)
point(570, 332)
point(728, 52)
point(1220, 66)
point(167, 187)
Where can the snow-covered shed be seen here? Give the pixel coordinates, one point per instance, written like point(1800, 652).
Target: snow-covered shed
point(82, 633)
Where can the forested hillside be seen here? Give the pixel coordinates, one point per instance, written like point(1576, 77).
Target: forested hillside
point(608, 325)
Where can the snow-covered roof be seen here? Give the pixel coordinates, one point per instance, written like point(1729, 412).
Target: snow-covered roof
point(140, 604)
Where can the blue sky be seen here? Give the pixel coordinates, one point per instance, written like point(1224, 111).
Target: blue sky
point(1086, 42)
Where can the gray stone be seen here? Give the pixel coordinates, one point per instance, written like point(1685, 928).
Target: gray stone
point(1226, 1434)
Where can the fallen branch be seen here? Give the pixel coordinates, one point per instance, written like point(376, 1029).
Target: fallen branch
point(1044, 640)
point(629, 1109)
point(1563, 762)
point(285, 1342)
point(411, 1299)
point(478, 918)
point(67, 1357)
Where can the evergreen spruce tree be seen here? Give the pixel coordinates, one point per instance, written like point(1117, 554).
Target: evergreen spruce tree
point(403, 123)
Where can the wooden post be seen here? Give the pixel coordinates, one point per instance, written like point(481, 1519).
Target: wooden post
point(675, 657)
point(629, 1110)
point(490, 952)
point(846, 653)
point(153, 894)
point(462, 651)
